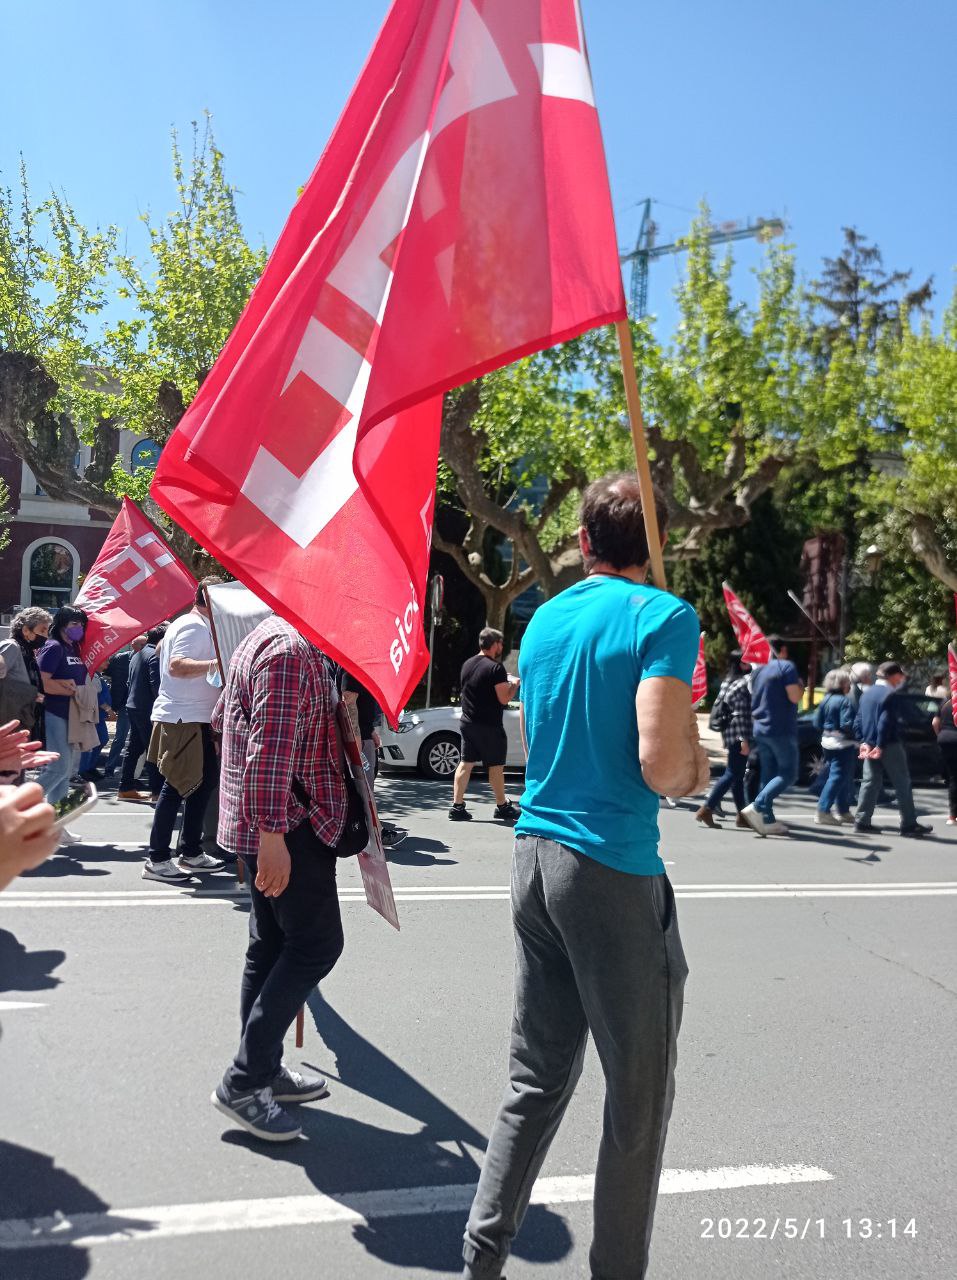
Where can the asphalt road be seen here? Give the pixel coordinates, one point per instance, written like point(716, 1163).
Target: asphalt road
point(815, 1078)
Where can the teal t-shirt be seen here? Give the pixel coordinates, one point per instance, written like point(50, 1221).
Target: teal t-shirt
point(581, 660)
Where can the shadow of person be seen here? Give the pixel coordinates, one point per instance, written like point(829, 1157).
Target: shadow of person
point(418, 851)
point(40, 1206)
point(348, 1159)
point(23, 970)
point(62, 864)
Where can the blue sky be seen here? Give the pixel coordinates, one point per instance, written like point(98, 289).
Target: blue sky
point(824, 112)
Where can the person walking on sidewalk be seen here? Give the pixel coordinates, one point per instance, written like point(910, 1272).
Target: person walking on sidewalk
point(144, 684)
point(946, 729)
point(776, 690)
point(835, 719)
point(878, 730)
point(733, 721)
point(282, 809)
point(487, 689)
point(182, 746)
point(606, 672)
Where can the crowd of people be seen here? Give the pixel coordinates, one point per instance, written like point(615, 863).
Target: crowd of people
point(859, 719)
point(608, 727)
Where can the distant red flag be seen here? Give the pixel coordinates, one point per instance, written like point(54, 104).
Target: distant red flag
point(952, 666)
point(699, 681)
point(135, 583)
point(751, 639)
point(459, 218)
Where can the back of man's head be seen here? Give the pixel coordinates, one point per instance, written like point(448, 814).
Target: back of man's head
point(889, 671)
point(212, 580)
point(155, 634)
point(612, 517)
point(863, 672)
point(489, 638)
point(778, 646)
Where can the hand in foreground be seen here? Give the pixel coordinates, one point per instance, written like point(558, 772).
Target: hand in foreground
point(17, 752)
point(27, 834)
point(273, 865)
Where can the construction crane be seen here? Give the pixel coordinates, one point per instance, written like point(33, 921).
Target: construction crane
point(646, 251)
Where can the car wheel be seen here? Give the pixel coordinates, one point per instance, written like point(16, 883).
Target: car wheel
point(439, 756)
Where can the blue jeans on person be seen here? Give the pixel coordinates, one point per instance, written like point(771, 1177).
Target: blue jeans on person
point(733, 778)
point(840, 780)
point(90, 760)
point(778, 756)
point(120, 735)
point(55, 778)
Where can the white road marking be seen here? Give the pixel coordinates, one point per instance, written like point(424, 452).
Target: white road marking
point(161, 1222)
point(7, 1005)
point(467, 893)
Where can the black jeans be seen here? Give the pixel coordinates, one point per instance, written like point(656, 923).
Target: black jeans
point(948, 755)
point(294, 941)
point(140, 728)
point(732, 777)
point(194, 809)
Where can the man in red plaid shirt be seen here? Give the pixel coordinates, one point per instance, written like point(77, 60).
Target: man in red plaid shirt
point(282, 809)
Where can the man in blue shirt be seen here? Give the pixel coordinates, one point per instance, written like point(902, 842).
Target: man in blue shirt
point(776, 690)
point(606, 673)
point(877, 728)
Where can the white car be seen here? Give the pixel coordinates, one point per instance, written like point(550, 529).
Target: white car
point(430, 741)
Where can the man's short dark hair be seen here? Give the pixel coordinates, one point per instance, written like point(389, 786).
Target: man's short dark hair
point(612, 516)
point(211, 581)
point(888, 669)
point(489, 636)
point(155, 634)
point(777, 643)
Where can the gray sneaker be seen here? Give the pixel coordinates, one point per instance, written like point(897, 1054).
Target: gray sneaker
point(200, 862)
point(290, 1086)
point(257, 1112)
point(165, 872)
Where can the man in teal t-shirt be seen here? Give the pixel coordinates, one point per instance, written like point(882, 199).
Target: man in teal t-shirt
point(606, 686)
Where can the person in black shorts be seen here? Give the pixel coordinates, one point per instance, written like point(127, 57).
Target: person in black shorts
point(487, 689)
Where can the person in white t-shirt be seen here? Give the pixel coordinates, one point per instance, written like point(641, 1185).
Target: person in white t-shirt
point(185, 703)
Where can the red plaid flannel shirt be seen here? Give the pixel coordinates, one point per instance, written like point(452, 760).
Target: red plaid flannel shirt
point(276, 716)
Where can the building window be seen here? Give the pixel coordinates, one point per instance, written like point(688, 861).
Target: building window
point(145, 454)
point(51, 574)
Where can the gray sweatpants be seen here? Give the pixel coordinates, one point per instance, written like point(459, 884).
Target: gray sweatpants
point(598, 950)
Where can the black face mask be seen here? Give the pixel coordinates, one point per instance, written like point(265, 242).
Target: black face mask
point(36, 643)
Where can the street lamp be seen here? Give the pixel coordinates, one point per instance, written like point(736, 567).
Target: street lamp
point(873, 560)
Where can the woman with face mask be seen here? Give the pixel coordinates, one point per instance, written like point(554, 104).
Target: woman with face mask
point(62, 671)
point(21, 686)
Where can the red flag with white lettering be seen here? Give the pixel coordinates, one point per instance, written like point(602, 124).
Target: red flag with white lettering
point(952, 667)
point(751, 639)
point(699, 681)
point(459, 219)
point(135, 583)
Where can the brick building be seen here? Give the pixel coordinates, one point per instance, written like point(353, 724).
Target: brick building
point(52, 544)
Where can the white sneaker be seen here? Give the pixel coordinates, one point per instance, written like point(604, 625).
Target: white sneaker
point(776, 829)
point(754, 820)
point(165, 872)
point(846, 819)
point(200, 862)
point(826, 819)
point(69, 837)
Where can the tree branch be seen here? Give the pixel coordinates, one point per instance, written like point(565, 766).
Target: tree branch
point(930, 550)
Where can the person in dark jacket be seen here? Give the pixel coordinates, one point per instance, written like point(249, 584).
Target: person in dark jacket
point(945, 726)
point(835, 719)
point(118, 674)
point(732, 718)
point(144, 680)
point(877, 728)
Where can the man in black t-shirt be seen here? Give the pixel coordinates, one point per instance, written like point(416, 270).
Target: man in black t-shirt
point(487, 689)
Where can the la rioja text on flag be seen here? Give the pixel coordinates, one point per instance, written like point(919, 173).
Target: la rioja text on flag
point(135, 583)
point(459, 218)
point(699, 681)
point(751, 639)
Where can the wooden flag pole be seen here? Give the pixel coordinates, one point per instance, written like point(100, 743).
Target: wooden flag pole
point(633, 399)
point(300, 1026)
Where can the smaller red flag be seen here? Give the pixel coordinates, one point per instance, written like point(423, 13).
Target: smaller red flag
point(751, 639)
point(135, 583)
point(952, 665)
point(699, 681)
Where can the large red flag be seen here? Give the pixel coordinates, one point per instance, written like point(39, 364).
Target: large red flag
point(699, 681)
point(135, 583)
point(459, 218)
point(952, 668)
point(751, 639)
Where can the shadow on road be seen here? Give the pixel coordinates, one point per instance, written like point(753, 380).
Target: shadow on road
point(33, 1187)
point(346, 1156)
point(417, 851)
point(23, 970)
